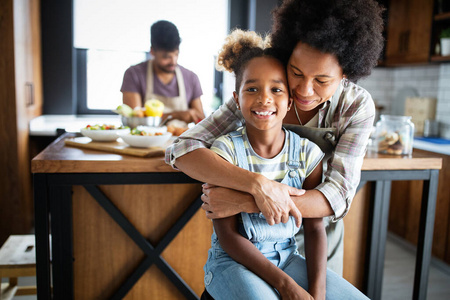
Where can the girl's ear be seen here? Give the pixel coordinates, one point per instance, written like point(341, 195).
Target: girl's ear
point(290, 103)
point(236, 99)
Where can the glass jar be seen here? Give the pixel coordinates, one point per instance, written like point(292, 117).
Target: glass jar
point(394, 135)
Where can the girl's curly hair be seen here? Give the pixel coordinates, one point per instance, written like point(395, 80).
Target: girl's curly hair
point(239, 48)
point(349, 29)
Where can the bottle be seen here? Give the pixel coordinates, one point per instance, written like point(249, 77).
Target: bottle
point(394, 135)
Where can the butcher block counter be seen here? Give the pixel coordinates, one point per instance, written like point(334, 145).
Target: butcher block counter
point(126, 227)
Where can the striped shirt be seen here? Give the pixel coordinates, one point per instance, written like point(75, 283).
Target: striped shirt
point(273, 168)
point(351, 111)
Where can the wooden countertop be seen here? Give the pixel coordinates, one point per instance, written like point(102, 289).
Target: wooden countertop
point(418, 161)
point(58, 158)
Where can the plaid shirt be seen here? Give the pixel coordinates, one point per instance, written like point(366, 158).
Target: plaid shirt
point(351, 111)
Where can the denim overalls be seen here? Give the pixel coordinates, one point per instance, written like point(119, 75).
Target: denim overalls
point(227, 279)
point(276, 242)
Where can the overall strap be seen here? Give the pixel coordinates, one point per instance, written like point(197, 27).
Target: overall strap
point(294, 146)
point(239, 147)
point(292, 177)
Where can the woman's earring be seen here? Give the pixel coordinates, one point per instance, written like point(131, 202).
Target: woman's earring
point(344, 82)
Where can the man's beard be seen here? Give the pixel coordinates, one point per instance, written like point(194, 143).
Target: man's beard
point(167, 68)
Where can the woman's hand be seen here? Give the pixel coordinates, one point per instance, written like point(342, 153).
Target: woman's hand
point(220, 202)
point(274, 201)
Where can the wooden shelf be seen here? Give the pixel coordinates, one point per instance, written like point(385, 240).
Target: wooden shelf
point(442, 16)
point(438, 58)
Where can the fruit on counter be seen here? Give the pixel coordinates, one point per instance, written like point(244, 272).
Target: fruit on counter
point(154, 108)
point(138, 112)
point(124, 110)
point(105, 127)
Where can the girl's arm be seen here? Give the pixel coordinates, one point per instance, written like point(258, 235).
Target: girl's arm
point(315, 244)
point(244, 252)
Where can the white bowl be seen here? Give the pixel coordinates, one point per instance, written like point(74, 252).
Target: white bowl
point(104, 135)
point(152, 129)
point(146, 141)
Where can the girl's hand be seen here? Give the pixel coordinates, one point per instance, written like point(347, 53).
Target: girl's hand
point(294, 291)
point(274, 201)
point(220, 202)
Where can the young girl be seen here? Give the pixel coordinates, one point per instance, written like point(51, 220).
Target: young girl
point(250, 259)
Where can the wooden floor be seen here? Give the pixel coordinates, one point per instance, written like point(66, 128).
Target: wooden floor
point(398, 274)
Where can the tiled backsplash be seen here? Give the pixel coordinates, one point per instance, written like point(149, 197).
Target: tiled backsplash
point(390, 86)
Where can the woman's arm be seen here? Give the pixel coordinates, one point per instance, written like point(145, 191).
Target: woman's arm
point(219, 202)
point(244, 252)
point(353, 118)
point(272, 198)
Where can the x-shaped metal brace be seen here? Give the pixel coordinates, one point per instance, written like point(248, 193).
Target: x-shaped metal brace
point(153, 253)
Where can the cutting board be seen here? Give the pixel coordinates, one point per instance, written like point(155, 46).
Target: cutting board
point(118, 147)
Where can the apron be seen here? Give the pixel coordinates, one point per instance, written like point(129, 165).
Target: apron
point(326, 139)
point(170, 103)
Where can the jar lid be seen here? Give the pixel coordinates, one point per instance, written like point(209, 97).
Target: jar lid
point(395, 118)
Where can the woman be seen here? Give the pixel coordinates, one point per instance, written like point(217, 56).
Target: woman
point(329, 46)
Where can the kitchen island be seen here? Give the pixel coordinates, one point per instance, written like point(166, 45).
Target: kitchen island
point(121, 226)
point(130, 227)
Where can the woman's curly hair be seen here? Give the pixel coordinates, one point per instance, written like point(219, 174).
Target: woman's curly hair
point(349, 29)
point(239, 48)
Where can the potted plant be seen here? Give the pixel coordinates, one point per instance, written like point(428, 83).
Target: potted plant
point(445, 42)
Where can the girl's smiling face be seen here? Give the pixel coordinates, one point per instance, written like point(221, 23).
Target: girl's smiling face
point(263, 95)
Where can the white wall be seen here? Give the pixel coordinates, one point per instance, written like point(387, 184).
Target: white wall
point(389, 86)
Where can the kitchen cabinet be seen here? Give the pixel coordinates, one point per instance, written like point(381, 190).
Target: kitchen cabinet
point(21, 100)
point(441, 21)
point(408, 32)
point(405, 207)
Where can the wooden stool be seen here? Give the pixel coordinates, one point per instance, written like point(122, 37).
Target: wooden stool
point(17, 259)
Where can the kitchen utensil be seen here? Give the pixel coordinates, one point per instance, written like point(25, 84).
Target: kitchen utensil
point(431, 128)
point(444, 130)
point(165, 121)
point(134, 122)
point(118, 147)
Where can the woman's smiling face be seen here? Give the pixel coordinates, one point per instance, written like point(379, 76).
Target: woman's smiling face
point(313, 76)
point(263, 95)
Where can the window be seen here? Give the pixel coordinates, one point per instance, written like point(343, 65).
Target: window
point(116, 35)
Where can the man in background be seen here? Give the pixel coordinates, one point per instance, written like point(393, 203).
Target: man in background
point(163, 79)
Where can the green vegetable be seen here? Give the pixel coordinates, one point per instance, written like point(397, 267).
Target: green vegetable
point(124, 110)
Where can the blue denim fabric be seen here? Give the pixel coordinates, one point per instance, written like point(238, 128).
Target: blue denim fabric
point(227, 279)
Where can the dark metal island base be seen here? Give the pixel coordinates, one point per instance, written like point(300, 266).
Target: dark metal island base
point(130, 227)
